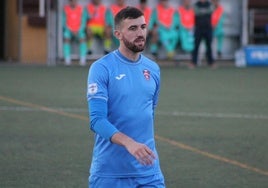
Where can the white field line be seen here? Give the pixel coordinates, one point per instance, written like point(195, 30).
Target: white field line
point(215, 115)
point(25, 109)
point(172, 142)
point(161, 113)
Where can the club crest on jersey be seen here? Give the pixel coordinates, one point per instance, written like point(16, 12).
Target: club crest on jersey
point(146, 74)
point(92, 88)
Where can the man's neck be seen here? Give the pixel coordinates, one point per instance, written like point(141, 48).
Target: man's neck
point(133, 56)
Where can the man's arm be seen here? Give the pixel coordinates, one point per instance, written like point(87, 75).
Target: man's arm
point(63, 20)
point(140, 151)
point(98, 118)
point(100, 125)
point(83, 20)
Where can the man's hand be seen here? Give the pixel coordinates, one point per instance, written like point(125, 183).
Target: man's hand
point(140, 151)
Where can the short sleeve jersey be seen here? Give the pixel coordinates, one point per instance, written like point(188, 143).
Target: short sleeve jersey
point(131, 91)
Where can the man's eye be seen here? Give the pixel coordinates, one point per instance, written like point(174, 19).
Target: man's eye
point(132, 28)
point(143, 26)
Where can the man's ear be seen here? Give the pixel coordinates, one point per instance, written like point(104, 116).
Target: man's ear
point(117, 34)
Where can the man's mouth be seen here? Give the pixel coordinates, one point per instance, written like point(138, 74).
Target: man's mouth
point(140, 40)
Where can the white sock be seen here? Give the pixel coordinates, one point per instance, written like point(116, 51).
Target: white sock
point(68, 61)
point(83, 61)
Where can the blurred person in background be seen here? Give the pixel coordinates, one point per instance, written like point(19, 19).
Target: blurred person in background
point(147, 10)
point(186, 26)
point(164, 29)
point(203, 10)
point(217, 21)
point(112, 11)
point(74, 27)
point(96, 25)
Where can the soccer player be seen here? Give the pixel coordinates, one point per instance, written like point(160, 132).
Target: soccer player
point(96, 25)
point(146, 9)
point(111, 12)
point(163, 26)
point(74, 25)
point(122, 94)
point(147, 12)
point(217, 24)
point(186, 25)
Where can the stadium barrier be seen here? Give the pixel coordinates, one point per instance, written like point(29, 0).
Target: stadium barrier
point(252, 55)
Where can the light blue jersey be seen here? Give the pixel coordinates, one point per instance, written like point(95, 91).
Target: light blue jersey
point(130, 90)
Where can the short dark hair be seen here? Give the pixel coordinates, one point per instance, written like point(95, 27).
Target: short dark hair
point(127, 13)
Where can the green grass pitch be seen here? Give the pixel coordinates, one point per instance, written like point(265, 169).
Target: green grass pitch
point(211, 127)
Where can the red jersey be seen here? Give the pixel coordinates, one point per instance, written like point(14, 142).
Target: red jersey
point(147, 13)
point(186, 17)
point(165, 15)
point(115, 9)
point(97, 15)
point(216, 15)
point(73, 17)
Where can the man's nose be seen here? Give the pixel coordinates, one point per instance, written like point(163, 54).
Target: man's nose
point(141, 32)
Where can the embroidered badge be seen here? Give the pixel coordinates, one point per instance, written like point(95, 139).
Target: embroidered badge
point(92, 88)
point(146, 74)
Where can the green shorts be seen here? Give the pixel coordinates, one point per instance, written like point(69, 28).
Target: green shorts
point(67, 34)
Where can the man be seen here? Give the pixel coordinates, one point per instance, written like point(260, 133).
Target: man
point(163, 26)
point(217, 25)
point(123, 89)
point(96, 25)
point(203, 30)
point(112, 11)
point(147, 11)
point(74, 25)
point(186, 25)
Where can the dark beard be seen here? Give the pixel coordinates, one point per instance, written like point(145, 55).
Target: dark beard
point(131, 46)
